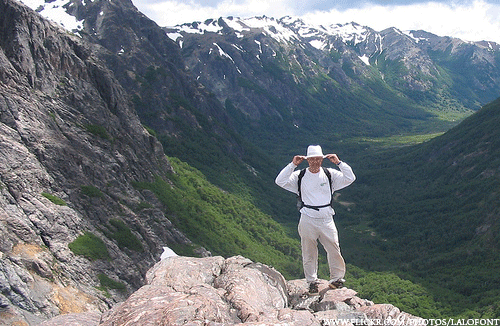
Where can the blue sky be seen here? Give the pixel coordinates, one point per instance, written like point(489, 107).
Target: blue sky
point(470, 20)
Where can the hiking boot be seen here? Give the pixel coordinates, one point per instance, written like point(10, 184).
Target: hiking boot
point(338, 284)
point(313, 288)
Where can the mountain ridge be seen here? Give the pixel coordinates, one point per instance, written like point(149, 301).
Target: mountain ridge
point(422, 79)
point(285, 70)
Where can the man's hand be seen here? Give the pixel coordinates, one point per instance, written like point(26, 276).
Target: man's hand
point(333, 158)
point(297, 159)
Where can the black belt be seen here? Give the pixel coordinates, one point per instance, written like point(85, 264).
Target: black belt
point(316, 207)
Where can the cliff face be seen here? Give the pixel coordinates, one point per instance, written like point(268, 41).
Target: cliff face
point(71, 147)
point(150, 68)
point(234, 291)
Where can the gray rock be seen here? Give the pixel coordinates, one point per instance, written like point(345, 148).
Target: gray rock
point(159, 305)
point(256, 291)
point(182, 273)
point(236, 291)
point(391, 314)
point(90, 318)
point(66, 122)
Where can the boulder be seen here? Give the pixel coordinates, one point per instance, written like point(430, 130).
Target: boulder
point(236, 291)
point(90, 318)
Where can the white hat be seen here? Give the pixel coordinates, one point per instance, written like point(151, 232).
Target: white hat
point(314, 151)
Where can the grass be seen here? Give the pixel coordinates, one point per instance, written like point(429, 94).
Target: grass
point(89, 246)
point(108, 283)
point(187, 250)
point(398, 140)
point(221, 222)
point(124, 236)
point(54, 199)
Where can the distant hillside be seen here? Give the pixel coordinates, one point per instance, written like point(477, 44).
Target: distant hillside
point(437, 204)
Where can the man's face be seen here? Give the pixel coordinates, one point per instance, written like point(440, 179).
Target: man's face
point(315, 162)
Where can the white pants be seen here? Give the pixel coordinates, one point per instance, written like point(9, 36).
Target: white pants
point(323, 229)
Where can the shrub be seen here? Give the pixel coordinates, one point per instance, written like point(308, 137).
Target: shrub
point(151, 131)
point(98, 131)
point(124, 237)
point(90, 246)
point(91, 191)
point(108, 283)
point(187, 250)
point(221, 222)
point(144, 205)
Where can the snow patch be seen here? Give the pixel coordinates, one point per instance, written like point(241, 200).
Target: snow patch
point(271, 27)
point(318, 44)
point(365, 59)
point(237, 47)
point(260, 46)
point(237, 25)
point(349, 33)
point(167, 253)
point(200, 28)
point(174, 36)
point(222, 53)
point(416, 39)
point(56, 12)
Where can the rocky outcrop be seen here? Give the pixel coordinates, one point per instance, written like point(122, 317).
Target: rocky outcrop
point(71, 149)
point(235, 291)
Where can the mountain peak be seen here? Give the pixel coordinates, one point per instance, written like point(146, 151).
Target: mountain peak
point(287, 28)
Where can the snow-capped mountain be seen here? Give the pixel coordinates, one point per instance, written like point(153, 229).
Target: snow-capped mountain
point(277, 55)
point(321, 37)
point(265, 66)
point(285, 29)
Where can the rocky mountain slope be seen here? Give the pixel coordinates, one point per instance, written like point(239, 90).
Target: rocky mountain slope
point(235, 291)
point(285, 74)
point(71, 149)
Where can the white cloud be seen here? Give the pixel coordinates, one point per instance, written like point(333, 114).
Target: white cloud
point(472, 21)
point(173, 12)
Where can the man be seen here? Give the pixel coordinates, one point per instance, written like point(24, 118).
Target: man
point(316, 218)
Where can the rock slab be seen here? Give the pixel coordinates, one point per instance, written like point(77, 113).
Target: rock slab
point(234, 291)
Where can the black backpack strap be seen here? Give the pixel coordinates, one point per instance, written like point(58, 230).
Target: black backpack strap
point(328, 175)
point(300, 203)
point(301, 175)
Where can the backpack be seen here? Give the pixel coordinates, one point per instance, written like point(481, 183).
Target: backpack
point(300, 203)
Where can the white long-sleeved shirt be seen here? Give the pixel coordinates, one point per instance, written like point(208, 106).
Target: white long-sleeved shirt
point(315, 187)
